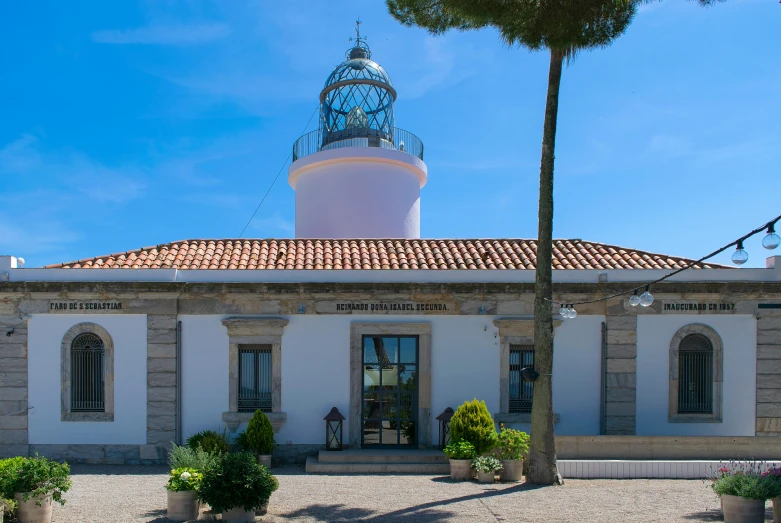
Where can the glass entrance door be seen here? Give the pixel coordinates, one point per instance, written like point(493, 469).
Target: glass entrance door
point(390, 391)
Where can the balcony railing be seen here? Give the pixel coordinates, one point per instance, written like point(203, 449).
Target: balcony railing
point(397, 140)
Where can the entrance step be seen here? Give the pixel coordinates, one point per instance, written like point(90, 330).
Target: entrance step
point(370, 461)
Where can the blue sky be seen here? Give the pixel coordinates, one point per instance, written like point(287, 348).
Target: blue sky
point(129, 124)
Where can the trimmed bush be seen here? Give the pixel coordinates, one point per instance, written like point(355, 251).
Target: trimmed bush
point(210, 441)
point(237, 481)
point(188, 458)
point(260, 434)
point(473, 423)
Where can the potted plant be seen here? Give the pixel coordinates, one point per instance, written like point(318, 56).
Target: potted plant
point(34, 483)
point(473, 423)
point(6, 506)
point(259, 437)
point(236, 486)
point(512, 446)
point(182, 487)
point(210, 441)
point(743, 488)
point(461, 454)
point(775, 473)
point(486, 467)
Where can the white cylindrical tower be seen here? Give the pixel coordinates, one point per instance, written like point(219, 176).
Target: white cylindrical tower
point(358, 176)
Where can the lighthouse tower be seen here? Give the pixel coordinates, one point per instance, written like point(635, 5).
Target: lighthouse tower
point(358, 175)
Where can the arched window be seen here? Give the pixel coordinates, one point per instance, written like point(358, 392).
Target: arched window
point(87, 373)
point(695, 375)
point(696, 370)
point(88, 392)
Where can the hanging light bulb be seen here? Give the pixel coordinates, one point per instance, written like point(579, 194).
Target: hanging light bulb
point(634, 300)
point(772, 240)
point(646, 299)
point(564, 312)
point(573, 312)
point(740, 256)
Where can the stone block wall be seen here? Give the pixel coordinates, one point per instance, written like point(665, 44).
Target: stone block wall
point(621, 375)
point(161, 381)
point(769, 376)
point(13, 386)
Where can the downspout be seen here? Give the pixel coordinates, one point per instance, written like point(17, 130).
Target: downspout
point(603, 380)
point(179, 382)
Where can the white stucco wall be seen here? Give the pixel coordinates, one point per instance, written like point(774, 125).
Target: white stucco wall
point(738, 334)
point(358, 193)
point(316, 370)
point(128, 331)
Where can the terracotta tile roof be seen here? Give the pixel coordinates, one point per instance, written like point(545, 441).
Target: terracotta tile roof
point(378, 254)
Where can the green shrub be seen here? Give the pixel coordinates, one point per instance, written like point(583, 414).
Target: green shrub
point(486, 464)
point(473, 423)
point(512, 444)
point(187, 458)
point(7, 505)
point(460, 450)
point(237, 480)
point(748, 486)
point(241, 443)
point(210, 441)
point(184, 479)
point(34, 477)
point(260, 434)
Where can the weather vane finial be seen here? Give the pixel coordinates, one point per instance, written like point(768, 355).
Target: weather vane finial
point(360, 49)
point(358, 38)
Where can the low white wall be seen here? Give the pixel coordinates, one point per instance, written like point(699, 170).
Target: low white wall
point(316, 371)
point(739, 336)
point(128, 331)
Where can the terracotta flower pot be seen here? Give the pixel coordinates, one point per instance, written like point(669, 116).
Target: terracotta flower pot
point(183, 506)
point(512, 470)
point(238, 515)
point(30, 512)
point(486, 477)
point(265, 460)
point(461, 469)
point(742, 510)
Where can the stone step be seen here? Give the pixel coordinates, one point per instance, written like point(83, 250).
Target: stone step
point(382, 456)
point(314, 466)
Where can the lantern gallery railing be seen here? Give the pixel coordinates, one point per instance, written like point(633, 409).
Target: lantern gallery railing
point(320, 140)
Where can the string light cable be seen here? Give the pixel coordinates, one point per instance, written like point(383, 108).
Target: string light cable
point(289, 155)
point(739, 257)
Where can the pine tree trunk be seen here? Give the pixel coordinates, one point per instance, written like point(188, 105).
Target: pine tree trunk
point(542, 449)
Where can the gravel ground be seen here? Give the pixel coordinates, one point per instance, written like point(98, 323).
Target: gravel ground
point(119, 494)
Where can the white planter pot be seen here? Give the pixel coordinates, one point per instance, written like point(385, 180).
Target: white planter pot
point(30, 512)
point(461, 469)
point(776, 510)
point(265, 460)
point(742, 510)
point(260, 511)
point(486, 477)
point(512, 470)
point(183, 506)
point(238, 515)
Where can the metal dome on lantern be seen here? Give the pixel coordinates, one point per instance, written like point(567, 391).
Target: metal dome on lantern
point(356, 108)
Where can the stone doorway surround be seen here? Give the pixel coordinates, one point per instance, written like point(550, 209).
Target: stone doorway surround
point(423, 331)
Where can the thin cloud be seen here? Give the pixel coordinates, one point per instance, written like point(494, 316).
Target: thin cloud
point(178, 35)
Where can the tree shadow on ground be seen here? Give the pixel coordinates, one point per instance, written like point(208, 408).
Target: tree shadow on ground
point(425, 513)
point(158, 516)
point(715, 514)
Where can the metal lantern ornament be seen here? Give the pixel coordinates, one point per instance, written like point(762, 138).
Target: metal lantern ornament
point(444, 427)
point(333, 430)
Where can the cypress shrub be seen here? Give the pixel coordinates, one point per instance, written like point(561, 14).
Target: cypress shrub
point(473, 423)
point(260, 434)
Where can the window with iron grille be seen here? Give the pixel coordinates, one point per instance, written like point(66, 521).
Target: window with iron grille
point(520, 391)
point(695, 374)
point(254, 378)
point(88, 390)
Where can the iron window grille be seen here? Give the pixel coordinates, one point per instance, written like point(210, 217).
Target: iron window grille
point(521, 392)
point(695, 375)
point(88, 391)
point(254, 378)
